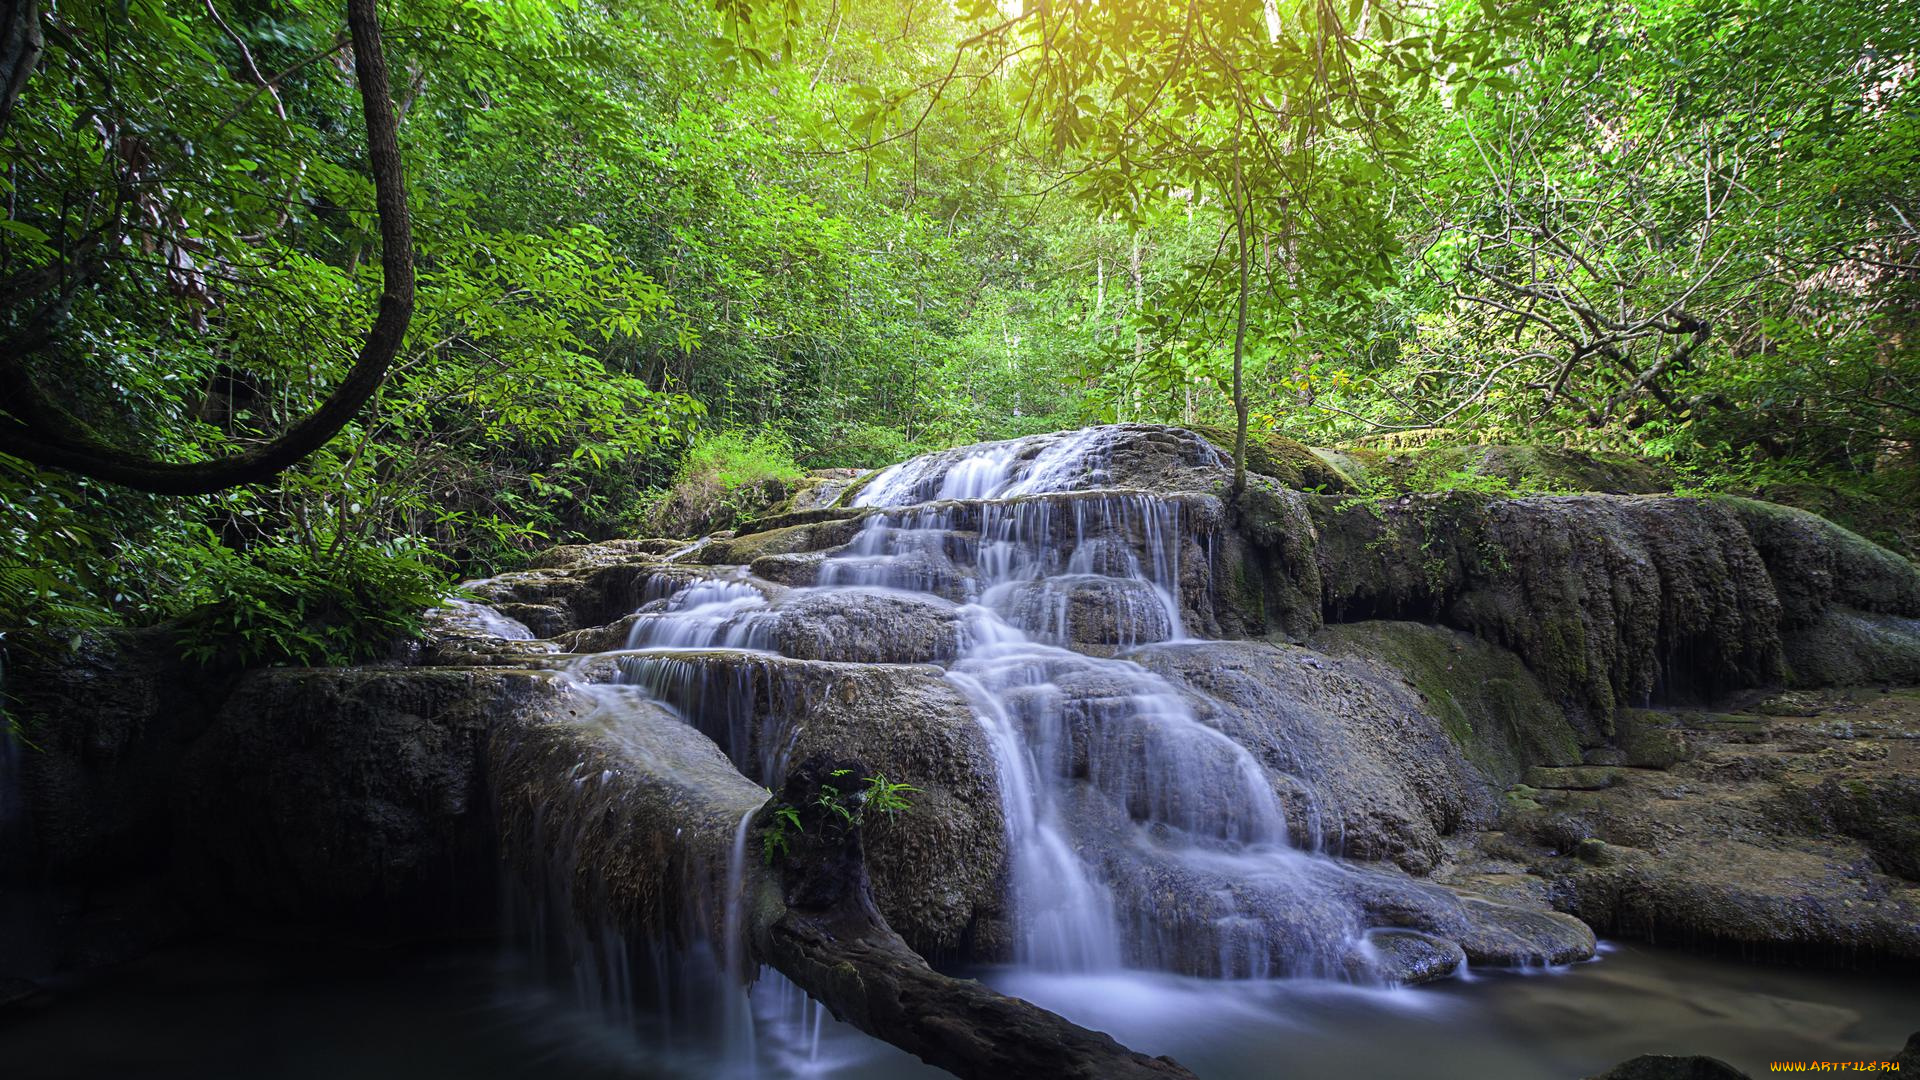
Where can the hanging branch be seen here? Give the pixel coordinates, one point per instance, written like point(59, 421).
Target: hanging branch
point(35, 429)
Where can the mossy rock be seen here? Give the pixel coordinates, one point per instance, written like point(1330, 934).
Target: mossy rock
point(1493, 708)
point(854, 489)
point(787, 540)
point(1729, 727)
point(1883, 813)
point(1520, 469)
point(1883, 507)
point(1292, 463)
point(1815, 562)
point(1594, 850)
point(1520, 798)
point(789, 518)
point(818, 490)
point(704, 506)
point(1852, 648)
point(1648, 739)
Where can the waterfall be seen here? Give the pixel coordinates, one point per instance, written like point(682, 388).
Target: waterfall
point(1058, 576)
point(485, 620)
point(1139, 838)
point(706, 614)
point(686, 1000)
point(1066, 917)
point(738, 1036)
point(1114, 793)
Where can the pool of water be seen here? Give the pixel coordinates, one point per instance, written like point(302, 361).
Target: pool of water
point(260, 1011)
point(1562, 1023)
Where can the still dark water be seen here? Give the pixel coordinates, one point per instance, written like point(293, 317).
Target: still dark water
point(264, 1012)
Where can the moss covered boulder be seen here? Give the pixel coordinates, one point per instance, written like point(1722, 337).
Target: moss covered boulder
point(1519, 469)
point(1610, 600)
point(1492, 707)
point(1288, 462)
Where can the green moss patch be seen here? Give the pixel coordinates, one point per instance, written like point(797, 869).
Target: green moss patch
point(1292, 463)
point(1491, 706)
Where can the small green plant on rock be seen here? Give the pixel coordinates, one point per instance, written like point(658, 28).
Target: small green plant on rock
point(777, 840)
point(843, 810)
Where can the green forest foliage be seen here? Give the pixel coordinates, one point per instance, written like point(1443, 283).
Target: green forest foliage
point(679, 250)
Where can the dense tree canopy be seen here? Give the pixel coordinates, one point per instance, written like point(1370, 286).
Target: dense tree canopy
point(664, 236)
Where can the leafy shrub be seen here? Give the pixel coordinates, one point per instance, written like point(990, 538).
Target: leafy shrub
point(725, 478)
point(76, 554)
point(855, 445)
point(285, 604)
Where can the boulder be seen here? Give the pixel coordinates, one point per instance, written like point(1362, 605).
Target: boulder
point(110, 715)
point(352, 795)
point(1611, 601)
point(1411, 957)
point(869, 626)
point(939, 868)
point(1385, 780)
point(1790, 836)
point(1815, 563)
point(1287, 462)
point(816, 535)
point(1492, 707)
point(1844, 647)
point(554, 600)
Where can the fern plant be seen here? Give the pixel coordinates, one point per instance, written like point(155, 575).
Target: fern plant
point(843, 809)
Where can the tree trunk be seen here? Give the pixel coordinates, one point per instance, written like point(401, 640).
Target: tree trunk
point(1240, 224)
point(20, 47)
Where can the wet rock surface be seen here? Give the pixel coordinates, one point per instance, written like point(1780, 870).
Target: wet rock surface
point(351, 794)
point(1380, 777)
point(867, 628)
point(1787, 831)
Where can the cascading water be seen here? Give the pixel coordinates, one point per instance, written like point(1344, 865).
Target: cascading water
point(1040, 574)
point(704, 614)
point(688, 1002)
point(1054, 571)
point(483, 619)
